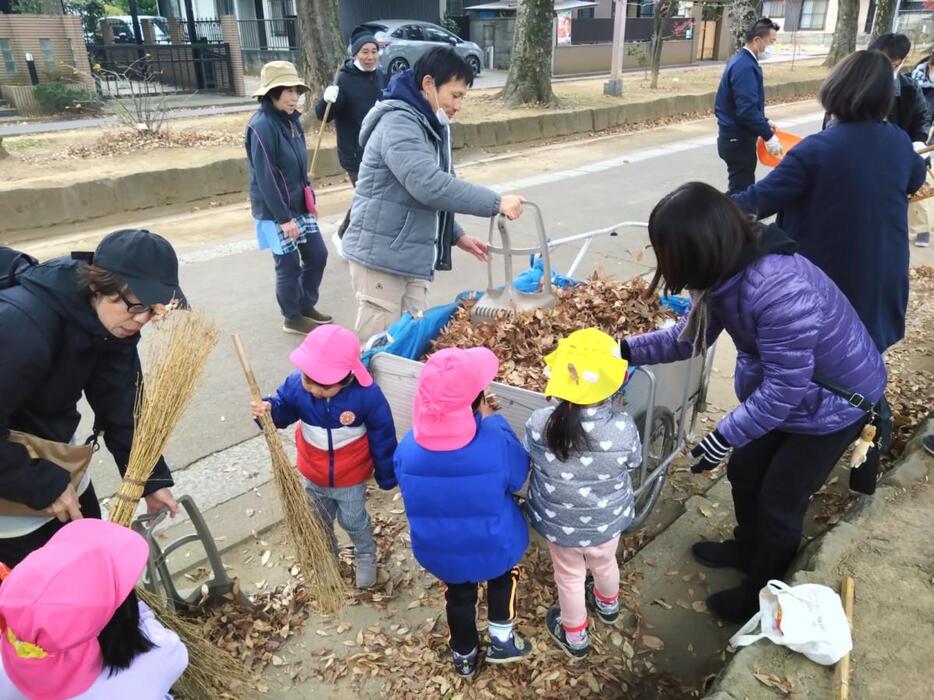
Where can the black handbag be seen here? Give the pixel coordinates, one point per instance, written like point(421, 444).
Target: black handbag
point(864, 477)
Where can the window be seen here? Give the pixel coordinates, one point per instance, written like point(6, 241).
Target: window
point(586, 13)
point(414, 33)
point(813, 14)
point(438, 36)
point(773, 8)
point(48, 53)
point(9, 63)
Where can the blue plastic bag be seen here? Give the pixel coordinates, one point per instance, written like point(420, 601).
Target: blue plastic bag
point(530, 280)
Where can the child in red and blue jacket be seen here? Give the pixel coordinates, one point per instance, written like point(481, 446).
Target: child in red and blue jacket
point(345, 433)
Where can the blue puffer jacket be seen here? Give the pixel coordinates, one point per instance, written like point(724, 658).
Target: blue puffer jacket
point(790, 323)
point(465, 525)
point(740, 103)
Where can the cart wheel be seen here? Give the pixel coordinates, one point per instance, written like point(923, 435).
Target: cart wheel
point(661, 444)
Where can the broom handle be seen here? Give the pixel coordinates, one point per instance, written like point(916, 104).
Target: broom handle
point(842, 683)
point(314, 157)
point(247, 370)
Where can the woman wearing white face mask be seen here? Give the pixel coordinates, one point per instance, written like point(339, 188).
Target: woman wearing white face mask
point(402, 225)
point(740, 107)
point(359, 84)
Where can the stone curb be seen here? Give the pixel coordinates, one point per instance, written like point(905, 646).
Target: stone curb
point(98, 197)
point(816, 564)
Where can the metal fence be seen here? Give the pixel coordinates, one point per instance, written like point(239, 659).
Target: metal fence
point(268, 34)
point(127, 70)
point(205, 30)
point(600, 31)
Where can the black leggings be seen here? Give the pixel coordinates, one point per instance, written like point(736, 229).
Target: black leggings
point(461, 601)
point(773, 479)
point(14, 549)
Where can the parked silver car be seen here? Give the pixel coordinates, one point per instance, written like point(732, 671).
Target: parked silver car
point(402, 41)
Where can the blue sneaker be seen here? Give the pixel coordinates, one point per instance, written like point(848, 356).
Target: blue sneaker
point(556, 630)
point(928, 443)
point(515, 648)
point(465, 665)
point(608, 615)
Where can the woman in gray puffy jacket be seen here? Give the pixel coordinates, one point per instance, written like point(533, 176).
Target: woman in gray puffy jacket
point(580, 496)
point(795, 335)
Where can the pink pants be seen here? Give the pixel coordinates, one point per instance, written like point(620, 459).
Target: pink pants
point(571, 565)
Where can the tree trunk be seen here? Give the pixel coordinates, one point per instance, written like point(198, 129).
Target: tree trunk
point(320, 44)
point(885, 18)
point(662, 11)
point(741, 15)
point(529, 79)
point(844, 34)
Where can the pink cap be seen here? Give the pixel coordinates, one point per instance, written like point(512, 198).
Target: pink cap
point(452, 378)
point(328, 354)
point(58, 599)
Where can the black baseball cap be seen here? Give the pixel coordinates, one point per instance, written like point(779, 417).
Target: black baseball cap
point(146, 261)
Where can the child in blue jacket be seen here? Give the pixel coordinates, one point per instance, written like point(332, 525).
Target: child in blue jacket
point(344, 433)
point(457, 469)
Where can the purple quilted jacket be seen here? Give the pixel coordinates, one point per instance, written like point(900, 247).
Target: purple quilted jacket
point(789, 323)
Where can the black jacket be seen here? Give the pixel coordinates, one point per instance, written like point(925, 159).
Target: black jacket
point(54, 348)
point(359, 91)
point(910, 110)
point(278, 157)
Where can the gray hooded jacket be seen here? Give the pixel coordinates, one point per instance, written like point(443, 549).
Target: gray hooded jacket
point(587, 500)
point(406, 185)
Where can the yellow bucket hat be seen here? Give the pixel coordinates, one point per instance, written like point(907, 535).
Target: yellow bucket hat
point(279, 74)
point(586, 368)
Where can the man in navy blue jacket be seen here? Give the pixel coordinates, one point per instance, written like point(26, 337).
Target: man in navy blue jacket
point(740, 107)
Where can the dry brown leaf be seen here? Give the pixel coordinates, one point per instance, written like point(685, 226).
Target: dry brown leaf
point(653, 642)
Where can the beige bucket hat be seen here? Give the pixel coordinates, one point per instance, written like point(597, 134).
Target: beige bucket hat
point(279, 74)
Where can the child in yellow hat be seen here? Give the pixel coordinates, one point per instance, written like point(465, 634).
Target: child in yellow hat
point(580, 496)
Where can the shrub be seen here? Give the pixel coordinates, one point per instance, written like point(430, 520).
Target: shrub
point(57, 97)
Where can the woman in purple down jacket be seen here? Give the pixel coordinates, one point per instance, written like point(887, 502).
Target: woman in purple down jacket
point(791, 326)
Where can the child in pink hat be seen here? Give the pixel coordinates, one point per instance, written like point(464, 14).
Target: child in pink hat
point(72, 627)
point(458, 468)
point(344, 433)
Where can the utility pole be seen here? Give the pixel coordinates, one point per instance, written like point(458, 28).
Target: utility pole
point(614, 86)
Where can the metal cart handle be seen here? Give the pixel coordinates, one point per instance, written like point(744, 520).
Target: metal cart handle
point(507, 251)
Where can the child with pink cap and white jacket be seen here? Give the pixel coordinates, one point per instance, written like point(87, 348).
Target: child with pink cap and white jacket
point(344, 434)
point(72, 627)
point(457, 469)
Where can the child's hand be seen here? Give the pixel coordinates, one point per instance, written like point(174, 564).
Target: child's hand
point(260, 409)
point(486, 407)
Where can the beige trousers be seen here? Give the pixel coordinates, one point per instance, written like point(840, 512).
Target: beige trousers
point(919, 217)
point(382, 297)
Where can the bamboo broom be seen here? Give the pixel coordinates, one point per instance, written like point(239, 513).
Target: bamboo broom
point(174, 367)
point(842, 675)
point(306, 533)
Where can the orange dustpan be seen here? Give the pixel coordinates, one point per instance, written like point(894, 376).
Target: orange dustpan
point(787, 140)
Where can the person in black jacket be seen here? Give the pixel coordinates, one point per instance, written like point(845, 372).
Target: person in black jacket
point(358, 87)
point(910, 110)
point(71, 326)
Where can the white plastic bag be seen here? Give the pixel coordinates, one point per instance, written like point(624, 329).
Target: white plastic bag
point(808, 619)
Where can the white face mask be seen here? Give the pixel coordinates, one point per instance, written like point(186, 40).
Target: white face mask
point(767, 53)
point(441, 115)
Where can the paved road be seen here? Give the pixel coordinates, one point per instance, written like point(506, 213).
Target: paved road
point(580, 186)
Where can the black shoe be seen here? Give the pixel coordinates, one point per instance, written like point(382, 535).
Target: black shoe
point(310, 312)
point(735, 605)
point(719, 555)
point(466, 666)
point(556, 630)
point(608, 618)
point(928, 443)
point(299, 326)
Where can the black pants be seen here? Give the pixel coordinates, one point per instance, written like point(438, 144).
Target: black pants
point(739, 154)
point(461, 599)
point(352, 174)
point(773, 479)
point(14, 549)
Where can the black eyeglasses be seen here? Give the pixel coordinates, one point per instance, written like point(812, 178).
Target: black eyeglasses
point(134, 308)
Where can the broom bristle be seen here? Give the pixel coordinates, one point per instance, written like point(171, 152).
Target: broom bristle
point(183, 342)
point(212, 672)
point(307, 536)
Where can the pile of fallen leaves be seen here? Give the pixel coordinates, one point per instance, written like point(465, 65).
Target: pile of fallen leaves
point(521, 341)
point(115, 142)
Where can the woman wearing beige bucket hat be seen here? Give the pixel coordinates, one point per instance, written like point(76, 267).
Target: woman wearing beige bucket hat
point(281, 197)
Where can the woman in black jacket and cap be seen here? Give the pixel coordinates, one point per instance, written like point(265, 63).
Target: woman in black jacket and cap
point(70, 326)
point(358, 87)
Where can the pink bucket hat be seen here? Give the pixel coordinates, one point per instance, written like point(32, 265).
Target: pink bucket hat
point(328, 354)
point(442, 419)
point(58, 599)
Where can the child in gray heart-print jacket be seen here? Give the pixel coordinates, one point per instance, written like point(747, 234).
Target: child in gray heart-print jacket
point(580, 496)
